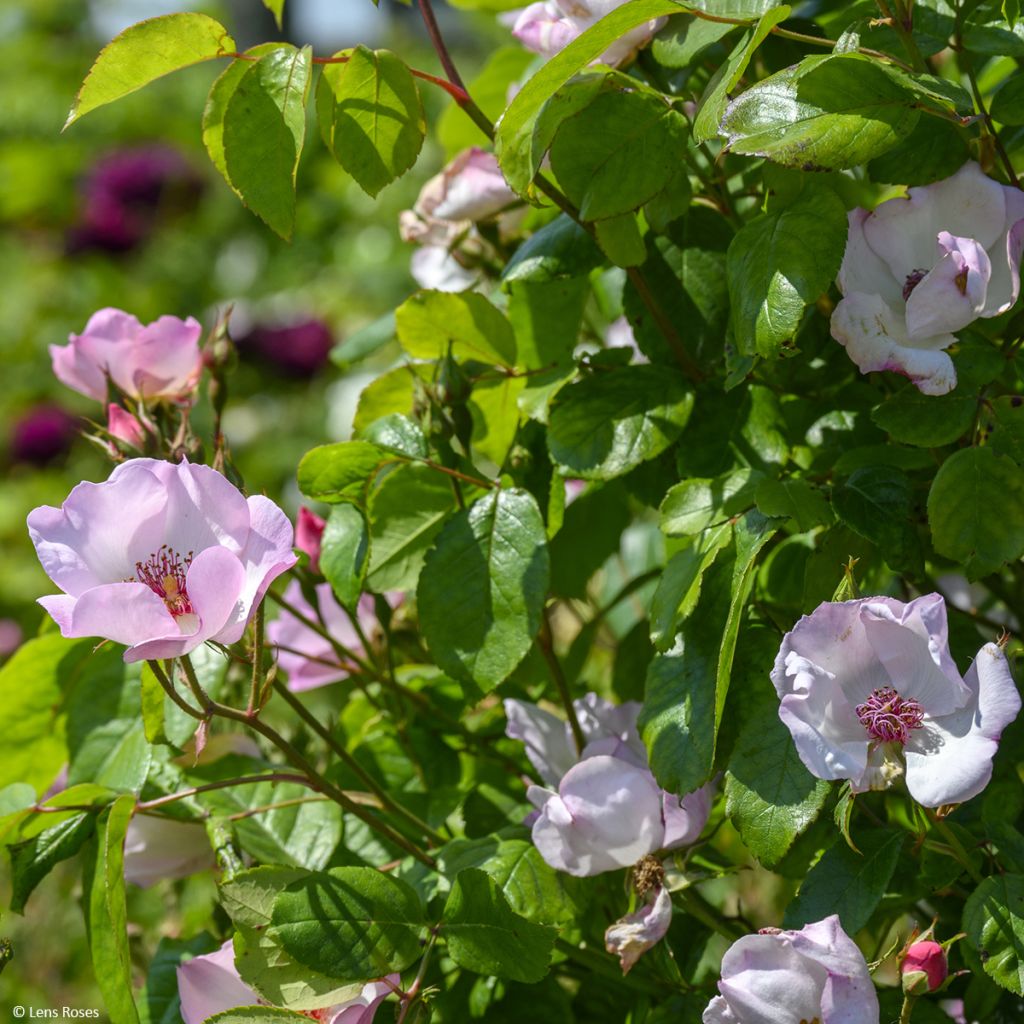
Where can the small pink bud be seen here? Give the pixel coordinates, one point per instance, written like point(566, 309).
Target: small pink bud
point(308, 530)
point(924, 967)
point(124, 426)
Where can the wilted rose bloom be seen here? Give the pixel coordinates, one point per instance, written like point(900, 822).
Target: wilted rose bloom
point(43, 434)
point(210, 984)
point(870, 692)
point(159, 848)
point(607, 811)
point(160, 557)
point(126, 191)
point(631, 936)
point(309, 528)
point(159, 361)
point(924, 967)
point(785, 977)
point(916, 270)
point(308, 659)
point(549, 26)
point(298, 350)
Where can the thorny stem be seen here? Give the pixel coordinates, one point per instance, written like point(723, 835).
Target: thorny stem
point(256, 687)
point(902, 24)
point(547, 648)
point(171, 692)
point(980, 106)
point(410, 995)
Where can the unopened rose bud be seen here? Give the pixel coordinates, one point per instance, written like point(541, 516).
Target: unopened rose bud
point(309, 528)
point(124, 426)
point(924, 968)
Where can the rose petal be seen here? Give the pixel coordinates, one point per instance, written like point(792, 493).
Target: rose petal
point(631, 936)
point(210, 984)
point(952, 294)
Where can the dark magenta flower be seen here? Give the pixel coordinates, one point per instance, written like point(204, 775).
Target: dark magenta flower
point(43, 434)
point(297, 350)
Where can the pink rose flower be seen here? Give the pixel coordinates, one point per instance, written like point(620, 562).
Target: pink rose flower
point(157, 362)
point(124, 426)
point(549, 26)
point(160, 557)
point(870, 693)
point(917, 270)
point(785, 977)
point(158, 848)
point(210, 984)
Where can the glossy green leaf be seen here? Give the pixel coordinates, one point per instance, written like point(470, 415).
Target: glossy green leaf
point(399, 434)
point(33, 859)
point(696, 504)
point(352, 924)
point(377, 124)
point(483, 587)
point(994, 922)
point(276, 8)
point(486, 936)
point(795, 499)
point(257, 1015)
point(610, 422)
point(558, 250)
point(976, 510)
point(928, 421)
point(431, 321)
point(1007, 105)
point(147, 51)
point(825, 113)
point(340, 472)
point(345, 552)
point(780, 263)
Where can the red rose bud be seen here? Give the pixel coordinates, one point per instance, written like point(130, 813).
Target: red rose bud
point(124, 426)
point(308, 530)
point(924, 968)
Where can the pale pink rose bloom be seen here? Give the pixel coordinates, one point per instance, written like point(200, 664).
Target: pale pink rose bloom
point(159, 848)
point(631, 936)
point(785, 977)
point(158, 361)
point(210, 984)
point(955, 1009)
point(920, 268)
point(309, 529)
point(434, 267)
point(124, 426)
point(549, 26)
point(161, 557)
point(619, 334)
point(308, 659)
point(870, 693)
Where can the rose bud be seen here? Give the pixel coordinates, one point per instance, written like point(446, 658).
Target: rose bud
point(924, 968)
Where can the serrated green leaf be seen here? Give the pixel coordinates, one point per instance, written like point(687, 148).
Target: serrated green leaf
point(994, 922)
point(928, 421)
point(340, 472)
point(33, 859)
point(147, 51)
point(794, 499)
point(483, 587)
point(431, 321)
point(345, 553)
point(696, 504)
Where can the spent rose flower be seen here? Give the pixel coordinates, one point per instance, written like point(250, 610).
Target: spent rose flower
point(870, 692)
point(631, 936)
point(549, 26)
point(158, 848)
point(924, 967)
point(607, 811)
point(789, 977)
point(210, 984)
point(920, 268)
point(160, 361)
point(160, 557)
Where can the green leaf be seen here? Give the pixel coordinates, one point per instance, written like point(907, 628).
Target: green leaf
point(263, 134)
point(546, 316)
point(276, 8)
point(770, 796)
point(934, 150)
point(33, 859)
point(610, 422)
point(618, 152)
point(847, 883)
point(716, 94)
point(1006, 432)
point(534, 890)
point(685, 38)
point(377, 124)
point(928, 421)
point(519, 152)
point(147, 51)
point(561, 249)
point(353, 924)
point(345, 553)
point(340, 472)
point(825, 113)
point(430, 321)
point(748, 10)
point(794, 499)
point(494, 408)
point(399, 434)
point(257, 1015)
point(159, 1000)
point(780, 263)
point(680, 583)
point(994, 922)
point(976, 510)
point(484, 934)
point(1007, 105)
point(694, 505)
point(31, 690)
point(621, 241)
point(406, 510)
point(483, 587)
point(877, 503)
point(106, 918)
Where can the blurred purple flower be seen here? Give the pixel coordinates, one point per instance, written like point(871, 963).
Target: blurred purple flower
point(11, 635)
point(126, 191)
point(42, 435)
point(297, 350)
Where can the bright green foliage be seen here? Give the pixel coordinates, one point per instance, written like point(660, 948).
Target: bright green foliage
point(995, 928)
point(345, 552)
point(484, 935)
point(483, 585)
point(430, 322)
point(147, 51)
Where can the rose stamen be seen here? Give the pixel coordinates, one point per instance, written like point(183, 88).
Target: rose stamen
point(164, 573)
point(914, 278)
point(888, 717)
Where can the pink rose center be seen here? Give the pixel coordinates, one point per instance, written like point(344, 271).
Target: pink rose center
point(914, 278)
point(889, 717)
point(164, 573)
